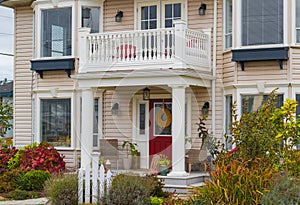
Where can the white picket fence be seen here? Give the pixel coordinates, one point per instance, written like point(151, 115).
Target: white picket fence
point(95, 179)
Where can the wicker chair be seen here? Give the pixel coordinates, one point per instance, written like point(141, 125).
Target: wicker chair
point(109, 151)
point(197, 156)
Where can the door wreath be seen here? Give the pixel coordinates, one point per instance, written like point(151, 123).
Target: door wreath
point(163, 117)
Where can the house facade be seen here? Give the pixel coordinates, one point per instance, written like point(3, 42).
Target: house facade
point(84, 69)
point(6, 95)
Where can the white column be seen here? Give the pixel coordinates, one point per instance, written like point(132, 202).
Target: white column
point(180, 44)
point(83, 47)
point(87, 126)
point(178, 131)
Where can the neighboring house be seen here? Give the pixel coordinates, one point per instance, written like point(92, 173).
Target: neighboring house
point(6, 94)
point(75, 85)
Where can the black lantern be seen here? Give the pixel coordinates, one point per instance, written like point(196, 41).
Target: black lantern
point(115, 109)
point(202, 9)
point(205, 108)
point(146, 94)
point(119, 15)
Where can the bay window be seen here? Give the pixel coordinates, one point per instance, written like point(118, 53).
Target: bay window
point(56, 122)
point(228, 24)
point(262, 22)
point(56, 36)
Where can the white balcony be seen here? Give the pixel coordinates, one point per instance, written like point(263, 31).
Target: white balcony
point(177, 47)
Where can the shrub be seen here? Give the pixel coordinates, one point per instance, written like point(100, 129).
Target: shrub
point(6, 153)
point(34, 180)
point(240, 182)
point(10, 180)
point(18, 194)
point(63, 189)
point(39, 157)
point(284, 191)
point(128, 189)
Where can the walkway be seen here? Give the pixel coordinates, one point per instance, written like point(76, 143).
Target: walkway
point(26, 202)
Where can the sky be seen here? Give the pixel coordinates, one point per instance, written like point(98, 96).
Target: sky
point(6, 42)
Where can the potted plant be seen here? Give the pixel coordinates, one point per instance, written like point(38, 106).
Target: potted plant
point(164, 164)
point(131, 150)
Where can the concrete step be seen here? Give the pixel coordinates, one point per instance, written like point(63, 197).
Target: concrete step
point(181, 189)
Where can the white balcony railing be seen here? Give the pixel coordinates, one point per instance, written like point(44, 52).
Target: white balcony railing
point(170, 45)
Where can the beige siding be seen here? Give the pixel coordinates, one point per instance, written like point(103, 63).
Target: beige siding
point(110, 10)
point(295, 63)
point(23, 76)
point(54, 79)
point(266, 71)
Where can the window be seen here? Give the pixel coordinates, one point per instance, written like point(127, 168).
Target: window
point(228, 120)
point(298, 113)
point(149, 17)
point(90, 18)
point(228, 24)
point(262, 22)
point(56, 32)
point(253, 102)
point(172, 12)
point(56, 122)
point(142, 118)
point(95, 123)
point(298, 21)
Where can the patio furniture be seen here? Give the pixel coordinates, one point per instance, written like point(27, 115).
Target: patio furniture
point(197, 156)
point(109, 151)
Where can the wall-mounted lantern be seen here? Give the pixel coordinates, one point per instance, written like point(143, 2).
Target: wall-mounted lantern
point(119, 15)
point(115, 109)
point(202, 9)
point(146, 94)
point(205, 108)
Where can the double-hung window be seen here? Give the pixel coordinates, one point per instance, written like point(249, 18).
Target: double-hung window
point(228, 24)
point(90, 17)
point(262, 22)
point(253, 102)
point(297, 21)
point(56, 36)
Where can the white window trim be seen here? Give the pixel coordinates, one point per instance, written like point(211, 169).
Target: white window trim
point(91, 3)
point(224, 26)
point(139, 3)
point(45, 5)
point(237, 4)
point(251, 90)
point(47, 96)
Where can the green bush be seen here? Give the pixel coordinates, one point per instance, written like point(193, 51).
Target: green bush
point(18, 194)
point(285, 191)
point(34, 180)
point(128, 189)
point(63, 189)
point(10, 180)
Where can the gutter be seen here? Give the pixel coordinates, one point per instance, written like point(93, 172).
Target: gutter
point(213, 86)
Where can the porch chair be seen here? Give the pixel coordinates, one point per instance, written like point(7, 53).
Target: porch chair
point(109, 151)
point(197, 156)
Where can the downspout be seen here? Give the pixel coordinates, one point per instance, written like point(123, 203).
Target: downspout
point(214, 65)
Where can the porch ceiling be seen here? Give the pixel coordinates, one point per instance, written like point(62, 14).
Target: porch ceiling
point(168, 77)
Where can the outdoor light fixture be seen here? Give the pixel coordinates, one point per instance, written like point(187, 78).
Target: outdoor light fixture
point(205, 108)
point(202, 9)
point(119, 15)
point(115, 109)
point(146, 94)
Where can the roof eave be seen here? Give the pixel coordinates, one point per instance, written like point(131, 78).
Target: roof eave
point(15, 3)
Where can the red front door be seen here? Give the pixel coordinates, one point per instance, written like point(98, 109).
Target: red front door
point(160, 128)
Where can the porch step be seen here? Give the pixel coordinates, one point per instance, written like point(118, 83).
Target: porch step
point(181, 189)
point(182, 185)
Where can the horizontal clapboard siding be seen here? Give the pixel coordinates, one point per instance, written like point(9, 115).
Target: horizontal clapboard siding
point(23, 76)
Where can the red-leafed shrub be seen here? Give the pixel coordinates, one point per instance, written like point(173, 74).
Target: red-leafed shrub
point(42, 157)
point(6, 153)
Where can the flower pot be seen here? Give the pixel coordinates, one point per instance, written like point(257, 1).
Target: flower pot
point(127, 162)
point(164, 171)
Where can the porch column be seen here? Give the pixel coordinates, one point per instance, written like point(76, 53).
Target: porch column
point(87, 126)
point(178, 131)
